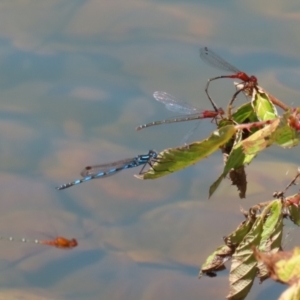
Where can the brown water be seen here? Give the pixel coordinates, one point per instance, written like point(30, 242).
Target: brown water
point(76, 78)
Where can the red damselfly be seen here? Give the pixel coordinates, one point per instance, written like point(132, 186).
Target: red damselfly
point(175, 105)
point(214, 60)
point(59, 242)
point(248, 82)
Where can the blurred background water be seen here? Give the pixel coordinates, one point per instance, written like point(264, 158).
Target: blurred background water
point(76, 78)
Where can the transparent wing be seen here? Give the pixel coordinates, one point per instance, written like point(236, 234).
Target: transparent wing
point(175, 105)
point(216, 61)
point(107, 169)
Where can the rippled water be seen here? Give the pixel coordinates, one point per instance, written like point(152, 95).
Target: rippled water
point(76, 78)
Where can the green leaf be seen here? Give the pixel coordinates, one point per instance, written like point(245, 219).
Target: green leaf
point(215, 185)
point(229, 145)
point(294, 214)
point(243, 267)
point(244, 113)
point(263, 107)
point(271, 236)
point(237, 236)
point(244, 151)
point(294, 211)
point(215, 262)
point(274, 218)
point(288, 268)
point(284, 266)
point(278, 132)
point(292, 293)
point(286, 136)
point(258, 141)
point(174, 159)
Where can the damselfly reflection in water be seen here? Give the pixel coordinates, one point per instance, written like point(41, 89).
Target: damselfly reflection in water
point(58, 242)
point(172, 104)
point(105, 170)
